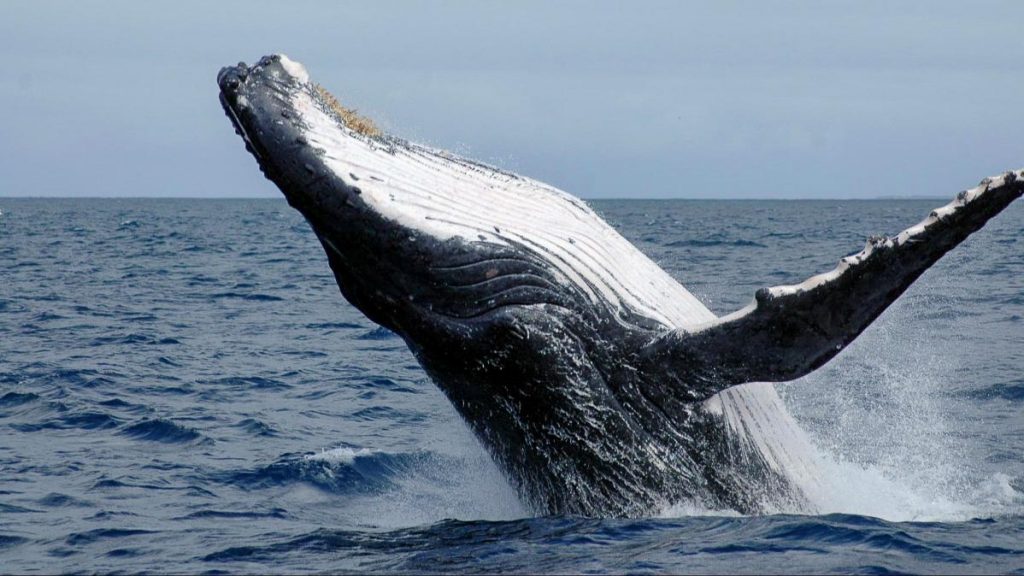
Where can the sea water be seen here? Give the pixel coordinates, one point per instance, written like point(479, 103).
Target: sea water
point(183, 389)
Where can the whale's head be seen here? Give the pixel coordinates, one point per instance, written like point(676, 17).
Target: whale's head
point(419, 240)
point(413, 231)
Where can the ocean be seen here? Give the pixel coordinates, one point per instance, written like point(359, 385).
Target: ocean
point(183, 389)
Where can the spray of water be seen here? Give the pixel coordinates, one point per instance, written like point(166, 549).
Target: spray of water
point(889, 436)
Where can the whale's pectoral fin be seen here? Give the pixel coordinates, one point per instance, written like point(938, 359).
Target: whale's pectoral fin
point(788, 331)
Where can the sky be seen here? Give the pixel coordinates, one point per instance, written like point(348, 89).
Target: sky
point(631, 99)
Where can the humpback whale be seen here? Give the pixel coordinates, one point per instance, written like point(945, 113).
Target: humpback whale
point(596, 381)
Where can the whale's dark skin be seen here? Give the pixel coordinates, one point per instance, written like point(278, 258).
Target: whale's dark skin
point(586, 411)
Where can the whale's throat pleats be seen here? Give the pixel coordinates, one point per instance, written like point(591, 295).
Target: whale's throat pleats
point(444, 196)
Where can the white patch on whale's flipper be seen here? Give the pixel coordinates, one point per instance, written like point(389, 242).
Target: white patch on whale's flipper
point(908, 236)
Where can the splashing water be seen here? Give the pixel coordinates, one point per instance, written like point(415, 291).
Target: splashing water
point(454, 480)
point(888, 433)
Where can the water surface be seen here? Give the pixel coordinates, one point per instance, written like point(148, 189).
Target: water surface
point(182, 388)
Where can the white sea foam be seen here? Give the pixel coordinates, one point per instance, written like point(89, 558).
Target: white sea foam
point(884, 493)
point(342, 455)
point(456, 478)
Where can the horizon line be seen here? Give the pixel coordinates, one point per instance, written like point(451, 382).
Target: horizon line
point(646, 199)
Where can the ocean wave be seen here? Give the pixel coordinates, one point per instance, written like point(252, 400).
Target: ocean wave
point(58, 500)
point(256, 427)
point(131, 340)
point(131, 484)
point(705, 243)
point(231, 514)
point(378, 333)
point(387, 414)
point(80, 420)
point(9, 541)
point(334, 326)
point(13, 509)
point(164, 431)
point(1012, 391)
point(340, 471)
point(253, 296)
point(249, 382)
point(12, 399)
point(99, 534)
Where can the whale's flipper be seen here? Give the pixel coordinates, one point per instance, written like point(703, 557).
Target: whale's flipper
point(788, 331)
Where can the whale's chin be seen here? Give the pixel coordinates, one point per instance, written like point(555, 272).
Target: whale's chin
point(597, 381)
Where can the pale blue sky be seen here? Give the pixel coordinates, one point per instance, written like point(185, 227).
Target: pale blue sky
point(628, 100)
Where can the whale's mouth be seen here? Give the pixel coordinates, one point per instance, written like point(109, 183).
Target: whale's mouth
point(229, 80)
point(250, 94)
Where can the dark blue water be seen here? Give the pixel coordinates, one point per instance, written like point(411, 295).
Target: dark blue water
point(183, 389)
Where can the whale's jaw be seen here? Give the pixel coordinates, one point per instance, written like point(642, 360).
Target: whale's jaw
point(599, 384)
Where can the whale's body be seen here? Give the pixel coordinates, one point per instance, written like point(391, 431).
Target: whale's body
point(598, 383)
